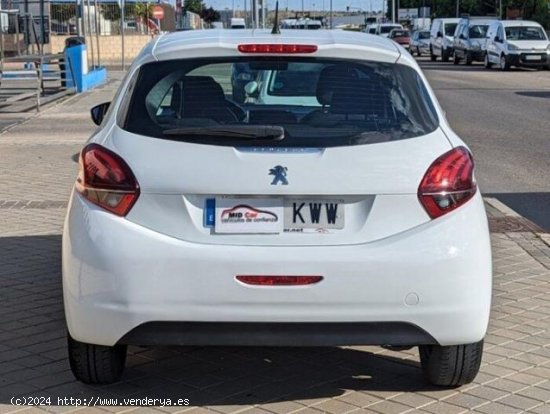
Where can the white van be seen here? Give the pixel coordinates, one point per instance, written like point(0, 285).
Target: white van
point(517, 43)
point(238, 23)
point(441, 38)
point(371, 28)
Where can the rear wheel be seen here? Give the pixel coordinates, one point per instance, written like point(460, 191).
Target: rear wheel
point(432, 56)
point(445, 55)
point(451, 366)
point(487, 62)
point(96, 364)
point(469, 58)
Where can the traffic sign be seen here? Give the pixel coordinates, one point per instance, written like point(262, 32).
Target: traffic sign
point(158, 12)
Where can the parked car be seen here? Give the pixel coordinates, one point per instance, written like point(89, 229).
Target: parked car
point(352, 219)
point(420, 42)
point(371, 28)
point(470, 38)
point(237, 23)
point(441, 38)
point(384, 29)
point(241, 74)
point(274, 87)
point(517, 43)
point(401, 37)
point(62, 28)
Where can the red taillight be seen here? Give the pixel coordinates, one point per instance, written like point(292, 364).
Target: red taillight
point(279, 280)
point(277, 48)
point(106, 180)
point(448, 183)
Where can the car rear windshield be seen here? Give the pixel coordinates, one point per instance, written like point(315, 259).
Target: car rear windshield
point(387, 29)
point(424, 35)
point(525, 33)
point(286, 102)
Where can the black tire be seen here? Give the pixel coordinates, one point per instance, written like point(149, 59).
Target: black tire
point(487, 64)
point(433, 57)
point(418, 53)
point(96, 364)
point(456, 59)
point(469, 58)
point(451, 366)
point(444, 56)
point(504, 63)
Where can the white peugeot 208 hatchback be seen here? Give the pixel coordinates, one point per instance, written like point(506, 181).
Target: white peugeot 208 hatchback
point(348, 218)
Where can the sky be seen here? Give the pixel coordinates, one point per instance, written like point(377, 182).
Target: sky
point(318, 5)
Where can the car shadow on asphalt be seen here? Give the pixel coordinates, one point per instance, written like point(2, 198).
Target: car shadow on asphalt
point(535, 94)
point(33, 353)
point(449, 66)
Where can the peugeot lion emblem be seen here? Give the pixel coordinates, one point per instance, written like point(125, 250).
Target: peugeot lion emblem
point(279, 175)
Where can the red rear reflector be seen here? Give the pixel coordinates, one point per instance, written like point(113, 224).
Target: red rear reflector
point(106, 180)
point(279, 280)
point(448, 183)
point(277, 48)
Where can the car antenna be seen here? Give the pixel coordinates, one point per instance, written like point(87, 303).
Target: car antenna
point(275, 29)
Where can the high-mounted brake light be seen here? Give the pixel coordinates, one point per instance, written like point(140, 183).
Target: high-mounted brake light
point(278, 280)
point(106, 180)
point(448, 183)
point(277, 48)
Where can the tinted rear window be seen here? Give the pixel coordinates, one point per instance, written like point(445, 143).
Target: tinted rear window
point(317, 103)
point(387, 29)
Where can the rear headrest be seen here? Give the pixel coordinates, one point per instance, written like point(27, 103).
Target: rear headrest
point(367, 97)
point(332, 79)
point(202, 89)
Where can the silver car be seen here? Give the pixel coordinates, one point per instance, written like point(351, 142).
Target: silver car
point(420, 43)
point(470, 38)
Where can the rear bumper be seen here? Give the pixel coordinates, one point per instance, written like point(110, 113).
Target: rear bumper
point(277, 334)
point(118, 276)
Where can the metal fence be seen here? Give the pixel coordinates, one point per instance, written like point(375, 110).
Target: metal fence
point(103, 18)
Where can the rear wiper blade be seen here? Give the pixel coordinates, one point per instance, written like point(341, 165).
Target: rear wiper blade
point(243, 132)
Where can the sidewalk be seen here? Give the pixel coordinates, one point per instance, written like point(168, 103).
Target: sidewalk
point(37, 171)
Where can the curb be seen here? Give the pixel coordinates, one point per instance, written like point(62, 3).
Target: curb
point(513, 221)
point(500, 206)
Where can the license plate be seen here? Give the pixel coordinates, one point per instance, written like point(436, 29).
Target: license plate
point(273, 215)
point(533, 57)
point(314, 214)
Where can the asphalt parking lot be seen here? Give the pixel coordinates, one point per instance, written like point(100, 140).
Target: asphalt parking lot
point(503, 117)
point(37, 169)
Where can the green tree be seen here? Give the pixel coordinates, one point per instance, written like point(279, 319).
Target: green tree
point(210, 15)
point(110, 12)
point(63, 12)
point(195, 6)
